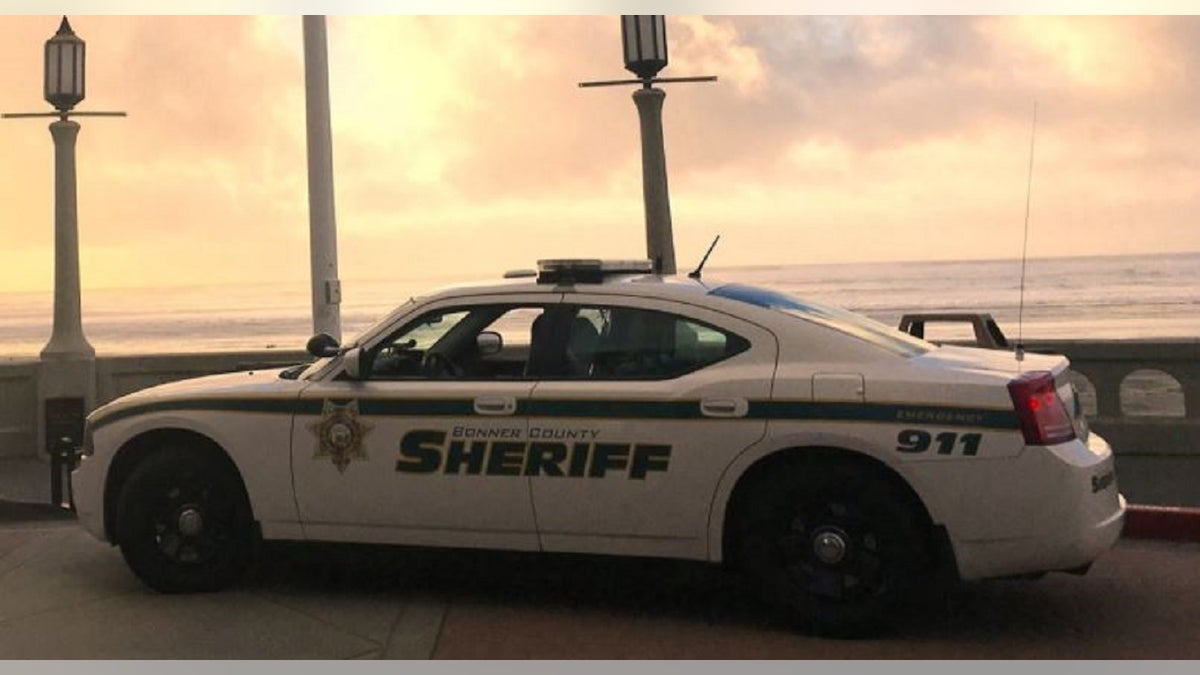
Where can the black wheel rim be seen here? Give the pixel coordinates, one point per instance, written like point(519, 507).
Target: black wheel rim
point(830, 549)
point(189, 519)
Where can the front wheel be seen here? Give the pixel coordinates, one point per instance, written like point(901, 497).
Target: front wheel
point(183, 522)
point(833, 544)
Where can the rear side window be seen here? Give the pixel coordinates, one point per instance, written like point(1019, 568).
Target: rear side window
point(606, 343)
point(827, 315)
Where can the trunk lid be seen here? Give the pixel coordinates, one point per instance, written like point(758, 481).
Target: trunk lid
point(994, 360)
point(1005, 362)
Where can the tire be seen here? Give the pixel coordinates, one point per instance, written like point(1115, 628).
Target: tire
point(184, 523)
point(832, 544)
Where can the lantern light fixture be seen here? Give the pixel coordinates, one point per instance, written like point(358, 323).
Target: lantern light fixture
point(644, 38)
point(64, 81)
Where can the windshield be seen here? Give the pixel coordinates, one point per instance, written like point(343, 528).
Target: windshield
point(318, 365)
point(827, 315)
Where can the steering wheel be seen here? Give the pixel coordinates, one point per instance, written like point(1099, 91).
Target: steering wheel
point(435, 364)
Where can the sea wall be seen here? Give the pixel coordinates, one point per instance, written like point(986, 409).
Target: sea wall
point(1142, 395)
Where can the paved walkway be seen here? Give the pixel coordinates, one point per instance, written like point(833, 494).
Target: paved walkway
point(65, 595)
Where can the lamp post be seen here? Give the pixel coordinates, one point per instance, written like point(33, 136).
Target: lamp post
point(322, 224)
point(66, 382)
point(644, 42)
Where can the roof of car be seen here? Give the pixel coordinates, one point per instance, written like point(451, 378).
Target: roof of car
point(650, 285)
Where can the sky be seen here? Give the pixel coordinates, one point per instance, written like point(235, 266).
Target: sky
point(462, 145)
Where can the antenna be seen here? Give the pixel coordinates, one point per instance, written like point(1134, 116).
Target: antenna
point(695, 274)
point(1020, 350)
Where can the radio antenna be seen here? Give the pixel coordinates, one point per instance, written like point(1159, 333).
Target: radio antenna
point(1020, 350)
point(695, 274)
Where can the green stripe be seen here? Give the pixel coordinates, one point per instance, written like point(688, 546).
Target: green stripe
point(876, 412)
point(411, 408)
point(658, 410)
point(942, 416)
point(260, 405)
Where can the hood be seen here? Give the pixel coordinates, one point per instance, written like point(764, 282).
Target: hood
point(991, 360)
point(247, 383)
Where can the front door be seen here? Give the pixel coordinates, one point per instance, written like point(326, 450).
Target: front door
point(426, 446)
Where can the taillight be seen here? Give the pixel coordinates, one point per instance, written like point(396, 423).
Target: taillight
point(1043, 415)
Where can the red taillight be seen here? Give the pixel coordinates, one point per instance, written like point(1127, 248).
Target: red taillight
point(1043, 415)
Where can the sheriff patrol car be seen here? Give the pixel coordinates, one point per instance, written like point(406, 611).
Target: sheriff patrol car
point(602, 408)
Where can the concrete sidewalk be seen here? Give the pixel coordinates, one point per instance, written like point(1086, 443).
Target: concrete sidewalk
point(65, 595)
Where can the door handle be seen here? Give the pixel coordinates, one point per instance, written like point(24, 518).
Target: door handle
point(495, 405)
point(724, 407)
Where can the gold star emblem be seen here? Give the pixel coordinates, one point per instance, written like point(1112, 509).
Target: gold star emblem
point(340, 434)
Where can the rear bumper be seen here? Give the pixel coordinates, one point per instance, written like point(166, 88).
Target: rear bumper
point(1066, 551)
point(1061, 512)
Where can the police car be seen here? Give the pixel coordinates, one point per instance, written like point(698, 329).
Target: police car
point(598, 407)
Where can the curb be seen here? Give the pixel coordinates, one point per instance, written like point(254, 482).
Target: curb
point(1174, 523)
point(21, 512)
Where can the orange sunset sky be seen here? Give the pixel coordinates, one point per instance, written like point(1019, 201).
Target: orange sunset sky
point(463, 147)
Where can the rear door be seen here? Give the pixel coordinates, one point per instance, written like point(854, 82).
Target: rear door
point(631, 433)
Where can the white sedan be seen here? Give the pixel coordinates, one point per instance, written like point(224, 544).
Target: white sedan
point(601, 408)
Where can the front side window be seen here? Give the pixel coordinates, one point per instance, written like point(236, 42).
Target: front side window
point(470, 343)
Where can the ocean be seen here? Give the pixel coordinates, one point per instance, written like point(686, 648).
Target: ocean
point(1110, 297)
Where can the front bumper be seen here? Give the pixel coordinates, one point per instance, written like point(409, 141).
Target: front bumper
point(87, 491)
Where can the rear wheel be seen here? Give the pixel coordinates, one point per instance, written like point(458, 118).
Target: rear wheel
point(833, 544)
point(183, 522)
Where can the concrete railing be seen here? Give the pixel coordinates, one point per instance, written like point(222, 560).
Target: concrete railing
point(120, 375)
point(1145, 400)
point(18, 406)
point(115, 376)
point(1157, 444)
point(1107, 365)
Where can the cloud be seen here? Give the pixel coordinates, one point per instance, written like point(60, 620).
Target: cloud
point(465, 140)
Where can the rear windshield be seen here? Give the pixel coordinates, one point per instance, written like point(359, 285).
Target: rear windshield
point(826, 315)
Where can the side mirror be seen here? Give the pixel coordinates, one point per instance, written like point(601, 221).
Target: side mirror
point(488, 343)
point(352, 362)
point(322, 345)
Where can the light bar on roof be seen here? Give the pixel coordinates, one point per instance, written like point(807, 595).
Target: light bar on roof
point(588, 270)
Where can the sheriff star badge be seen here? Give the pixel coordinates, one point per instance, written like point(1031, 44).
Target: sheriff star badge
point(340, 434)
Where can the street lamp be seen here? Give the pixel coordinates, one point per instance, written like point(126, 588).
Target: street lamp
point(322, 221)
point(66, 384)
point(644, 42)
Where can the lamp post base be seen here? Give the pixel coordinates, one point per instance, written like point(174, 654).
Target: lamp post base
point(66, 394)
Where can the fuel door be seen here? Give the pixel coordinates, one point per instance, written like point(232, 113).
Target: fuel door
point(839, 387)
